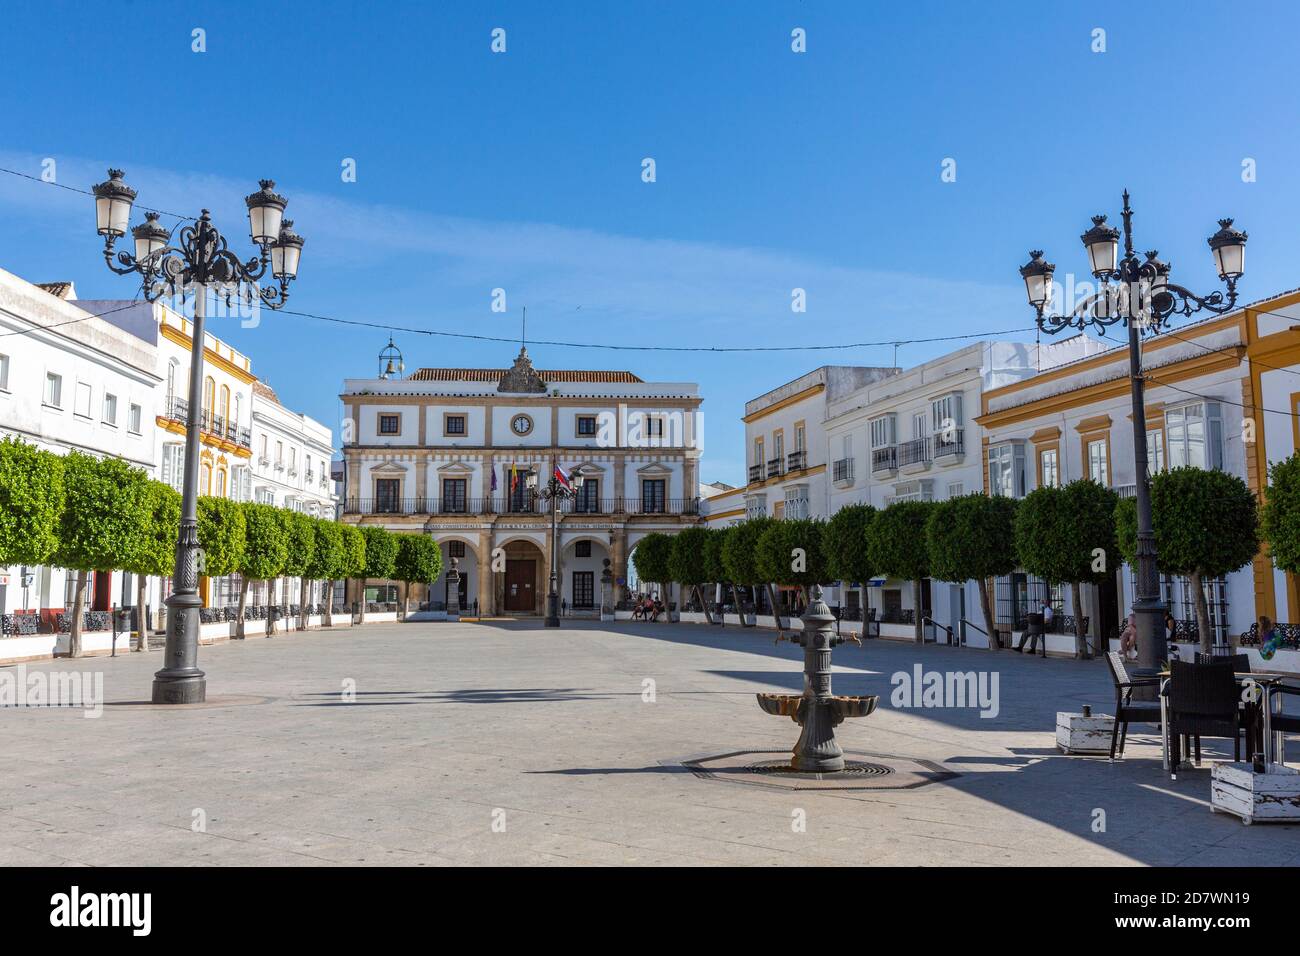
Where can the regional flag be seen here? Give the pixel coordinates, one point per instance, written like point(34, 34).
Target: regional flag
point(562, 477)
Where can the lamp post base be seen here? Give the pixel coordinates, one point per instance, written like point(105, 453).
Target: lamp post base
point(180, 681)
point(179, 689)
point(552, 610)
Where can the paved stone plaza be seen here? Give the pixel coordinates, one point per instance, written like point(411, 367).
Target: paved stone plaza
point(457, 727)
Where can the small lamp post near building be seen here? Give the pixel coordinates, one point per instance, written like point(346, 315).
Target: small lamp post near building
point(606, 590)
point(453, 590)
point(558, 487)
point(195, 261)
point(1139, 294)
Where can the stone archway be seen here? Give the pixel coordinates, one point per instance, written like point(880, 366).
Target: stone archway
point(521, 589)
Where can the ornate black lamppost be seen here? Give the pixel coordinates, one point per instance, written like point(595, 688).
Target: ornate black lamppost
point(1140, 295)
point(198, 262)
point(553, 491)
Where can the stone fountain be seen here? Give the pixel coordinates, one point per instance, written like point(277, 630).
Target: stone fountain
point(817, 711)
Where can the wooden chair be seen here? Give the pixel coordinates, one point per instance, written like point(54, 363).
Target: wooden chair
point(1127, 709)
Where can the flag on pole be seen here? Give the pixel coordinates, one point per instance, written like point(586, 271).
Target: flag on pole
point(514, 477)
point(562, 477)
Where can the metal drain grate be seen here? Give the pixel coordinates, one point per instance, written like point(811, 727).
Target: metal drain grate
point(852, 768)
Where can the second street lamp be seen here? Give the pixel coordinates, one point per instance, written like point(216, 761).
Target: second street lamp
point(558, 487)
point(1139, 294)
point(197, 263)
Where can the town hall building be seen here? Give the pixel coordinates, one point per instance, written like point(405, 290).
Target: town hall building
point(446, 451)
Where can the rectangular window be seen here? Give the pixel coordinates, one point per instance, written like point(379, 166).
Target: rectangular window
point(920, 426)
point(1007, 470)
point(133, 418)
point(586, 425)
point(588, 500)
point(882, 432)
point(956, 489)
point(1097, 455)
point(82, 406)
point(455, 425)
point(390, 424)
point(758, 452)
point(110, 409)
point(1195, 435)
point(653, 499)
point(520, 501)
point(279, 454)
point(584, 589)
point(388, 493)
point(799, 437)
point(1049, 466)
point(1155, 451)
point(455, 549)
point(4, 373)
point(263, 455)
point(582, 549)
point(778, 445)
point(945, 413)
point(654, 426)
point(453, 495)
point(54, 389)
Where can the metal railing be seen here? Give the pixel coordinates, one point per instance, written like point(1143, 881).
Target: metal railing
point(953, 444)
point(178, 410)
point(884, 459)
point(914, 452)
point(755, 473)
point(796, 460)
point(842, 470)
point(775, 466)
point(505, 506)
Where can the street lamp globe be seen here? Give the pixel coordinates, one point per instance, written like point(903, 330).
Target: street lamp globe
point(1229, 248)
point(150, 237)
point(530, 479)
point(113, 199)
point(1037, 273)
point(577, 482)
point(286, 252)
point(1102, 243)
point(265, 213)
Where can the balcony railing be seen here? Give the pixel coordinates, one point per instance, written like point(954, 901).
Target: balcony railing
point(178, 410)
point(842, 470)
point(914, 452)
point(884, 459)
point(949, 443)
point(755, 473)
point(505, 506)
point(796, 460)
point(775, 466)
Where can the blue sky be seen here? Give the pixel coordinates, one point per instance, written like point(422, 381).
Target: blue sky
point(775, 170)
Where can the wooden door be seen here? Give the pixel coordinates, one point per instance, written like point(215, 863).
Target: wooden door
point(520, 595)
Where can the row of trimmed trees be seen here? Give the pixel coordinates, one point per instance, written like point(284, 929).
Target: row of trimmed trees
point(91, 514)
point(1207, 525)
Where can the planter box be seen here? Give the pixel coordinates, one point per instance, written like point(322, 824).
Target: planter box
point(216, 632)
point(1235, 788)
point(1077, 734)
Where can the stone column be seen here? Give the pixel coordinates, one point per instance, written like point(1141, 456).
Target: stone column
point(486, 578)
point(422, 480)
point(618, 560)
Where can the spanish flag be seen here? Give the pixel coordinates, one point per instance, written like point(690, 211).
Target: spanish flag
point(514, 477)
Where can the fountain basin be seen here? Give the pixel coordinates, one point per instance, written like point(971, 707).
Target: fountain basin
point(842, 705)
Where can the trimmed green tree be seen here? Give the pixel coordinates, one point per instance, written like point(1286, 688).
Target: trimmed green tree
point(688, 562)
point(1280, 517)
point(221, 536)
point(418, 561)
point(1067, 536)
point(266, 550)
point(1206, 525)
point(327, 561)
point(300, 537)
point(31, 502)
point(972, 538)
point(102, 526)
point(790, 553)
point(715, 570)
point(353, 562)
point(380, 560)
point(652, 560)
point(896, 548)
point(157, 554)
point(844, 542)
point(739, 556)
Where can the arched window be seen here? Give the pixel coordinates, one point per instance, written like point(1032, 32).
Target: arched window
point(225, 404)
point(221, 482)
point(209, 399)
point(205, 479)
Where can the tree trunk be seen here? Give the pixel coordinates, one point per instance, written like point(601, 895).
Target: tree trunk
point(1081, 651)
point(302, 603)
point(406, 598)
point(271, 607)
point(78, 605)
point(1202, 614)
point(986, 605)
point(773, 598)
point(142, 625)
point(361, 602)
point(740, 605)
point(329, 604)
point(916, 613)
point(243, 604)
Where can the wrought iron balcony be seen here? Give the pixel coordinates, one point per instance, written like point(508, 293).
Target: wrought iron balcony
point(914, 452)
point(842, 470)
point(775, 467)
point(884, 459)
point(796, 460)
point(949, 443)
point(177, 410)
point(454, 505)
point(755, 473)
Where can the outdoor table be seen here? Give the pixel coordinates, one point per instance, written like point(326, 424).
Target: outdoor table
point(1265, 679)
